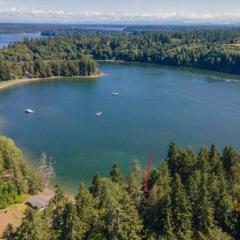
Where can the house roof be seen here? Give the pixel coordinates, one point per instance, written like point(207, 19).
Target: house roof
point(38, 202)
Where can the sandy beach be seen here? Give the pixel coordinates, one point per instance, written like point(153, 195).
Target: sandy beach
point(15, 82)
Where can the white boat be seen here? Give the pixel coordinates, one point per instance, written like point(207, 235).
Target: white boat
point(29, 110)
point(115, 93)
point(98, 114)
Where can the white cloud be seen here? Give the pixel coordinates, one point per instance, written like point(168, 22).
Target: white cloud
point(34, 15)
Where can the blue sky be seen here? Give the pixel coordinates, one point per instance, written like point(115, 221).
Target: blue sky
point(121, 11)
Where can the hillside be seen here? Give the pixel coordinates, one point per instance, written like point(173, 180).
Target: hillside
point(187, 196)
point(16, 176)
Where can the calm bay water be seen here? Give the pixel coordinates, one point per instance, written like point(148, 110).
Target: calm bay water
point(5, 39)
point(156, 105)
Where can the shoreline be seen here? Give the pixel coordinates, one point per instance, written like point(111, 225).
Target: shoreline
point(14, 213)
point(233, 76)
point(11, 83)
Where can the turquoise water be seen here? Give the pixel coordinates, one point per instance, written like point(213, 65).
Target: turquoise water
point(155, 105)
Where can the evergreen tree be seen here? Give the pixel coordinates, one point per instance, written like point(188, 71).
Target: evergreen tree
point(172, 156)
point(94, 188)
point(33, 227)
point(231, 164)
point(181, 210)
point(204, 217)
point(200, 204)
point(85, 209)
point(57, 206)
point(168, 232)
point(115, 174)
point(16, 177)
point(135, 183)
point(203, 160)
point(214, 156)
point(157, 213)
point(70, 225)
point(118, 213)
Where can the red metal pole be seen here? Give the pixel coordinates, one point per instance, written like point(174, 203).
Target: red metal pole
point(146, 179)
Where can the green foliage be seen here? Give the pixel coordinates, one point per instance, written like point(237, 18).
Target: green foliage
point(115, 174)
point(87, 214)
point(57, 211)
point(19, 199)
point(189, 197)
point(8, 194)
point(181, 210)
point(16, 177)
point(135, 183)
point(70, 52)
point(71, 226)
point(41, 59)
point(119, 216)
point(211, 49)
point(94, 188)
point(33, 227)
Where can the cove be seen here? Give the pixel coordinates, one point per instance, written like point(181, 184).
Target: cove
point(156, 105)
point(5, 39)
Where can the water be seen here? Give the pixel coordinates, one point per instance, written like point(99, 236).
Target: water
point(5, 39)
point(155, 105)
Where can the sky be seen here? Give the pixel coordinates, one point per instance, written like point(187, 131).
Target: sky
point(121, 11)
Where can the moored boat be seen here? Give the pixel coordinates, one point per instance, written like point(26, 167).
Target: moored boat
point(29, 110)
point(98, 114)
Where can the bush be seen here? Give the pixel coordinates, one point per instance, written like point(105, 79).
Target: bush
point(3, 203)
point(20, 199)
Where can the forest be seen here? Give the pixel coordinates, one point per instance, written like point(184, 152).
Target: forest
point(41, 59)
point(71, 52)
point(211, 49)
point(188, 196)
point(16, 177)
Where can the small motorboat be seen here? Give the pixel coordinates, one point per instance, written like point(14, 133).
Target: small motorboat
point(29, 110)
point(115, 93)
point(98, 114)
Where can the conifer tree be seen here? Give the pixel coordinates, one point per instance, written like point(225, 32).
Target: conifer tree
point(172, 156)
point(168, 228)
point(115, 174)
point(181, 210)
point(85, 209)
point(158, 202)
point(57, 206)
point(118, 213)
point(203, 159)
point(33, 227)
point(204, 215)
point(231, 164)
point(94, 188)
point(135, 183)
point(70, 226)
point(214, 156)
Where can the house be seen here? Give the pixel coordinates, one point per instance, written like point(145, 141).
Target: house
point(38, 202)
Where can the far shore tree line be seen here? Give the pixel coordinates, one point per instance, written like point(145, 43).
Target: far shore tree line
point(189, 197)
point(71, 52)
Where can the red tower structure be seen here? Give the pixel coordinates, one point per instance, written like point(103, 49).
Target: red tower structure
point(148, 169)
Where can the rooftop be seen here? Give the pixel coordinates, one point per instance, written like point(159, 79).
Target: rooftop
point(38, 202)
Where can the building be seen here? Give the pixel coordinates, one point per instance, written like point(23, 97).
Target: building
point(38, 202)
